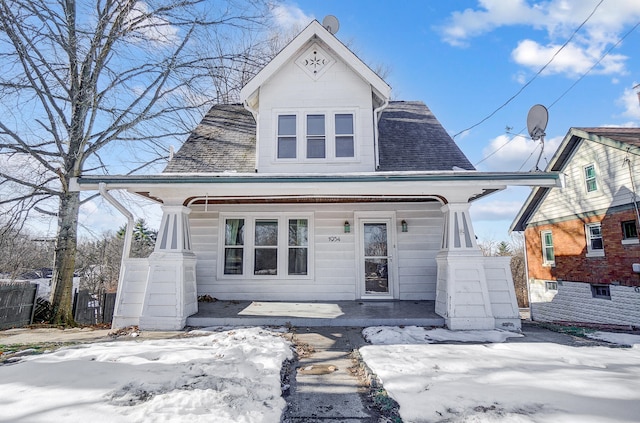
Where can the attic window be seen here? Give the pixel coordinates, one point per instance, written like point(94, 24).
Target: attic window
point(315, 61)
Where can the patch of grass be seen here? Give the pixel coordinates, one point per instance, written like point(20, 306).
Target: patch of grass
point(9, 353)
point(387, 406)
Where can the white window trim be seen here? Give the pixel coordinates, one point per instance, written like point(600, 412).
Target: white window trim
point(545, 262)
point(587, 232)
point(330, 135)
point(249, 245)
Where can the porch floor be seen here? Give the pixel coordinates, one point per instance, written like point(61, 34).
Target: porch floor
point(313, 314)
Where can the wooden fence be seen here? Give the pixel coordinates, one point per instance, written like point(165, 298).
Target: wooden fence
point(17, 304)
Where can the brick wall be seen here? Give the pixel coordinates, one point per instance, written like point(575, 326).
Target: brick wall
point(571, 263)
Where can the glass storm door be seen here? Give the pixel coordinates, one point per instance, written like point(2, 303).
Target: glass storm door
point(375, 248)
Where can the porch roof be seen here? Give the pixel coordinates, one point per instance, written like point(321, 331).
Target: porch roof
point(457, 185)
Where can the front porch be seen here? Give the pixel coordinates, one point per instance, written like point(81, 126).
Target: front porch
point(314, 314)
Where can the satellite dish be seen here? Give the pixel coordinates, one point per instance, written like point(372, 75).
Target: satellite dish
point(331, 24)
point(537, 121)
point(536, 124)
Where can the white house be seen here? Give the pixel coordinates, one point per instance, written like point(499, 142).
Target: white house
point(317, 187)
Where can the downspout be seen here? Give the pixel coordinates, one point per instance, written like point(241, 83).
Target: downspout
point(376, 117)
point(633, 187)
point(255, 114)
point(126, 250)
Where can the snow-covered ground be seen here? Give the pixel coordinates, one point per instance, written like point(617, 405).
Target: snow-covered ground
point(510, 382)
point(234, 376)
point(231, 376)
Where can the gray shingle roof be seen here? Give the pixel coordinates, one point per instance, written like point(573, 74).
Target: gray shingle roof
point(225, 140)
point(410, 138)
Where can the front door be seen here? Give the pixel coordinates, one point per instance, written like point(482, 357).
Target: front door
point(376, 255)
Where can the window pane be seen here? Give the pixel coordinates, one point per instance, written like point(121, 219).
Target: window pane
point(266, 261)
point(315, 148)
point(344, 147)
point(315, 124)
point(344, 124)
point(629, 229)
point(298, 232)
point(297, 261)
point(287, 125)
point(286, 148)
point(375, 239)
point(234, 232)
point(266, 232)
point(233, 261)
point(548, 255)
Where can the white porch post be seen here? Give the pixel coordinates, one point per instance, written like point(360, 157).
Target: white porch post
point(462, 295)
point(170, 294)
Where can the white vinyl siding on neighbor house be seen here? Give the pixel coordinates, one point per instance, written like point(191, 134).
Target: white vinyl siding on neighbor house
point(331, 252)
point(595, 247)
point(614, 190)
point(548, 254)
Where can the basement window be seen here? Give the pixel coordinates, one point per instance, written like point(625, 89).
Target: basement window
point(601, 291)
point(551, 285)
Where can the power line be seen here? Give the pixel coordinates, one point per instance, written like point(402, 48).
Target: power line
point(537, 73)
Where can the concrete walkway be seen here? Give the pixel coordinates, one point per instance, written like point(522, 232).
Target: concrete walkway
point(325, 386)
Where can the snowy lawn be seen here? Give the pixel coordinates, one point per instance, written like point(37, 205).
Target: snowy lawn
point(506, 382)
point(231, 376)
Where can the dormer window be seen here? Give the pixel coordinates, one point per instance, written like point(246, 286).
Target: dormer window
point(344, 135)
point(316, 137)
point(287, 137)
point(327, 136)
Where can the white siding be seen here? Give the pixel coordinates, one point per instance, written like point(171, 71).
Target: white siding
point(573, 302)
point(614, 183)
point(335, 262)
point(292, 90)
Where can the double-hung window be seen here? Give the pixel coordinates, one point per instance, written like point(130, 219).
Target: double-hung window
point(266, 245)
point(548, 255)
point(344, 135)
point(590, 179)
point(316, 145)
point(595, 246)
point(287, 137)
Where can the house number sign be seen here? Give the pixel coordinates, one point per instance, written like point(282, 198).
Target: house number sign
point(334, 239)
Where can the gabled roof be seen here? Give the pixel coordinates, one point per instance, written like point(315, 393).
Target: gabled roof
point(410, 139)
point(315, 32)
point(627, 139)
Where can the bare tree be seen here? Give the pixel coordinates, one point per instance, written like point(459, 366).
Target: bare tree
point(85, 81)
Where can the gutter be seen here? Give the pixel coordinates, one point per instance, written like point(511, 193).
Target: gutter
point(376, 117)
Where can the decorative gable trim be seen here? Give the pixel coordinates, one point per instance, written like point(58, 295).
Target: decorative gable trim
point(315, 61)
point(316, 31)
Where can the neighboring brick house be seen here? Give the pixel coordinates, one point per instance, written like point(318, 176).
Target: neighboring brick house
point(582, 240)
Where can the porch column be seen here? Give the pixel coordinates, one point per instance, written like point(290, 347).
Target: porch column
point(462, 295)
point(170, 295)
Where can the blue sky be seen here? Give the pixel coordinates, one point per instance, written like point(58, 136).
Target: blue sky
point(465, 59)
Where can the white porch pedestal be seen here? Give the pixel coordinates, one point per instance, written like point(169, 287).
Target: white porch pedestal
point(170, 292)
point(462, 292)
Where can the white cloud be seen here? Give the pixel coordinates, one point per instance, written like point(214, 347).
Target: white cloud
point(150, 27)
point(517, 153)
point(290, 17)
point(559, 18)
point(630, 101)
